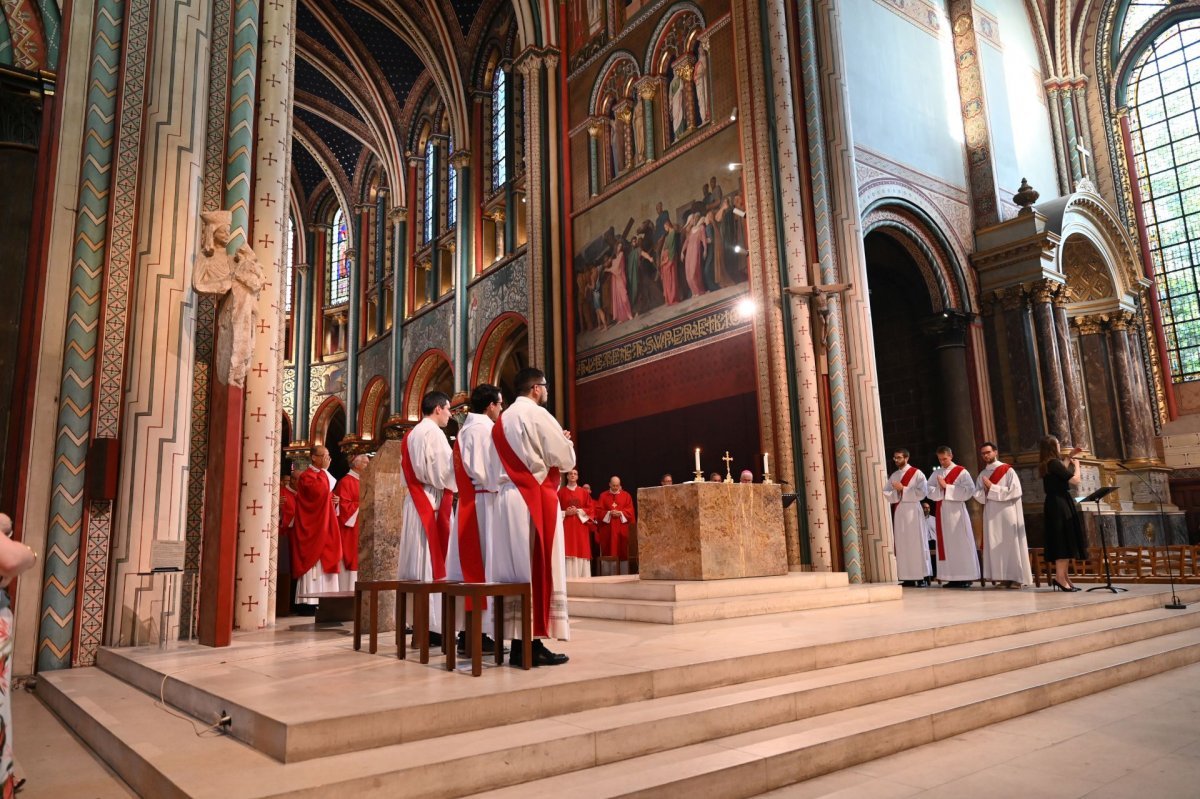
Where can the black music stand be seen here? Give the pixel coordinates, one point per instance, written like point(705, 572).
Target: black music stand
point(1096, 496)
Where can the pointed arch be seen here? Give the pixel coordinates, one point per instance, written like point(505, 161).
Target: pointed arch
point(424, 371)
point(492, 345)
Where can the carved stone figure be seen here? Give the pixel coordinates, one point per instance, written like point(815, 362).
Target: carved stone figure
point(241, 278)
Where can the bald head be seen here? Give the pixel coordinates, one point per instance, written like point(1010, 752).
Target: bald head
point(614, 484)
point(320, 457)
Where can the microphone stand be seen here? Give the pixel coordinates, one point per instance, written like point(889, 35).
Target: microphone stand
point(1096, 496)
point(1174, 604)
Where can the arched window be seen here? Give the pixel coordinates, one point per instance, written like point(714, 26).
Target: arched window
point(339, 264)
point(1165, 132)
point(451, 187)
point(499, 129)
point(1137, 14)
point(430, 178)
point(289, 266)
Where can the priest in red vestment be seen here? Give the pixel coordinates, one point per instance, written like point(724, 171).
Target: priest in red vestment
point(287, 523)
point(317, 536)
point(616, 517)
point(577, 508)
point(346, 502)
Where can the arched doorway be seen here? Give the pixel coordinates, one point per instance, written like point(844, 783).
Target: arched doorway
point(328, 429)
point(908, 369)
point(373, 412)
point(503, 351)
point(432, 372)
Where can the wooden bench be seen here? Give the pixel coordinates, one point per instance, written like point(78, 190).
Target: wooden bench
point(420, 590)
point(474, 621)
point(332, 605)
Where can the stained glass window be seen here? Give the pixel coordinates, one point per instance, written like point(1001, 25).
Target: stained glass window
point(451, 188)
point(1137, 14)
point(339, 262)
point(1164, 89)
point(430, 177)
point(289, 265)
point(499, 129)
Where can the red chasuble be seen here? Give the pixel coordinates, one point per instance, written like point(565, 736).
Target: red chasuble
point(577, 540)
point(317, 536)
point(287, 510)
point(347, 494)
point(614, 534)
point(950, 478)
point(470, 554)
point(542, 501)
point(436, 523)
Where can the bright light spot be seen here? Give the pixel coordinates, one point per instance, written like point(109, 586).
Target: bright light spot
point(733, 166)
point(747, 308)
point(737, 248)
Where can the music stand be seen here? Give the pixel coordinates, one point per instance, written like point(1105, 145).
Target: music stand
point(1096, 496)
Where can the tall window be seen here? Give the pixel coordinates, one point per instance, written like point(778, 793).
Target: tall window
point(339, 262)
point(1163, 91)
point(1137, 14)
point(451, 188)
point(430, 178)
point(499, 129)
point(289, 266)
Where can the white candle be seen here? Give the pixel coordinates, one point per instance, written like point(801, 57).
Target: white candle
point(766, 463)
point(697, 459)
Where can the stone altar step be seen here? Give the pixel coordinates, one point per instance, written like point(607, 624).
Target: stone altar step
point(628, 586)
point(380, 711)
point(829, 716)
point(628, 601)
point(750, 763)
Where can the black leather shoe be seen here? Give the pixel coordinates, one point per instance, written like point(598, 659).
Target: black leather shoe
point(544, 657)
point(435, 640)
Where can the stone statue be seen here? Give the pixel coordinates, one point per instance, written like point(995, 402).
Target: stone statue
point(241, 278)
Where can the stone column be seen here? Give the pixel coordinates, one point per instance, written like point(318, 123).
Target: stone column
point(1053, 391)
point(398, 217)
point(623, 113)
point(464, 257)
point(259, 499)
point(303, 322)
point(1076, 413)
point(1134, 414)
point(1105, 425)
point(950, 335)
point(531, 66)
point(646, 89)
point(381, 234)
point(594, 128)
point(685, 67)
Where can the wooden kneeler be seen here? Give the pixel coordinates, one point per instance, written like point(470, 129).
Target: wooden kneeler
point(474, 621)
point(420, 590)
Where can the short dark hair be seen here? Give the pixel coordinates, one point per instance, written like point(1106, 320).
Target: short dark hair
point(527, 378)
point(901, 451)
point(482, 396)
point(989, 444)
point(432, 401)
point(944, 450)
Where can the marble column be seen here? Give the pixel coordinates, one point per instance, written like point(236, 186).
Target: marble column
point(259, 500)
point(685, 67)
point(623, 112)
point(381, 237)
point(1053, 391)
point(464, 261)
point(646, 89)
point(1105, 424)
point(398, 217)
point(950, 337)
point(594, 128)
point(1134, 414)
point(1076, 413)
point(305, 301)
point(1012, 365)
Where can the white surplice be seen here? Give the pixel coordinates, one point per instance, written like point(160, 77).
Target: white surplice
point(475, 447)
point(912, 552)
point(316, 580)
point(1005, 547)
point(957, 560)
point(433, 464)
point(538, 440)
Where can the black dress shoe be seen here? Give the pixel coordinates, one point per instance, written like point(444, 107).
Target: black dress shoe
point(435, 639)
point(541, 655)
point(489, 646)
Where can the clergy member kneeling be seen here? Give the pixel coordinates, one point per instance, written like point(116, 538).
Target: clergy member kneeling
point(533, 450)
point(428, 465)
point(951, 487)
point(316, 536)
point(1005, 548)
point(905, 489)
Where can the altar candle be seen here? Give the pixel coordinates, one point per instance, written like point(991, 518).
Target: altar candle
point(697, 459)
point(766, 463)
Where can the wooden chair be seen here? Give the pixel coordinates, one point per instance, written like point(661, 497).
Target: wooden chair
point(474, 621)
point(420, 591)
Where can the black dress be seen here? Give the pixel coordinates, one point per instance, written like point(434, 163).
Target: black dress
point(1063, 524)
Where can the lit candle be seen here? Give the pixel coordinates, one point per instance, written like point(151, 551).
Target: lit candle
point(697, 459)
point(766, 463)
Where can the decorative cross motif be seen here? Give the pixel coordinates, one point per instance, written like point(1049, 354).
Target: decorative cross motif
point(260, 370)
point(269, 200)
point(263, 326)
point(258, 414)
point(252, 555)
point(255, 461)
point(249, 604)
point(266, 241)
point(1084, 155)
point(821, 553)
point(728, 460)
point(274, 81)
point(254, 508)
point(271, 119)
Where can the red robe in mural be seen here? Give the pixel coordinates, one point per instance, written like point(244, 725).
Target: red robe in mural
point(614, 530)
point(347, 511)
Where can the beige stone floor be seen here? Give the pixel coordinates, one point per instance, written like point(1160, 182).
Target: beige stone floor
point(1137, 741)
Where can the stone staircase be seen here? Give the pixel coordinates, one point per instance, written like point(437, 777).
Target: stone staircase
point(734, 727)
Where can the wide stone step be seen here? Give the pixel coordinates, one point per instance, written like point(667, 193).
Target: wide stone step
point(728, 607)
point(380, 711)
point(632, 587)
point(512, 753)
point(750, 763)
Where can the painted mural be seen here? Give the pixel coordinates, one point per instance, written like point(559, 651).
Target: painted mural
point(663, 248)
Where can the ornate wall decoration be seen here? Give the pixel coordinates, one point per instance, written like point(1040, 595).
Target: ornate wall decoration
point(988, 28)
point(1086, 272)
point(430, 330)
point(503, 289)
point(375, 361)
point(924, 15)
point(95, 584)
point(981, 168)
point(27, 37)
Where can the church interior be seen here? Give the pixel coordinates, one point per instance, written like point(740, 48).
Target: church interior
point(788, 238)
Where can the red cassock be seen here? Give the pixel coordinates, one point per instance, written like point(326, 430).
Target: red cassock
point(347, 494)
point(287, 509)
point(576, 539)
point(614, 534)
point(317, 534)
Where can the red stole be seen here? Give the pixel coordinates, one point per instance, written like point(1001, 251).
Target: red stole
point(951, 476)
point(542, 501)
point(999, 473)
point(470, 554)
point(904, 481)
point(436, 523)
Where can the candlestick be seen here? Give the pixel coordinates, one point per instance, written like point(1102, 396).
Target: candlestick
point(766, 463)
point(697, 459)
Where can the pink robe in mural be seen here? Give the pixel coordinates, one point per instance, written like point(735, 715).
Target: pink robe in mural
point(622, 311)
point(693, 259)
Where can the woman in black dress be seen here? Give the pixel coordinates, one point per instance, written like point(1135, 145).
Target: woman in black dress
point(1063, 525)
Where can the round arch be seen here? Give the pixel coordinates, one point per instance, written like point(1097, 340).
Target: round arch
point(1086, 215)
point(374, 399)
point(320, 422)
point(430, 369)
point(914, 230)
